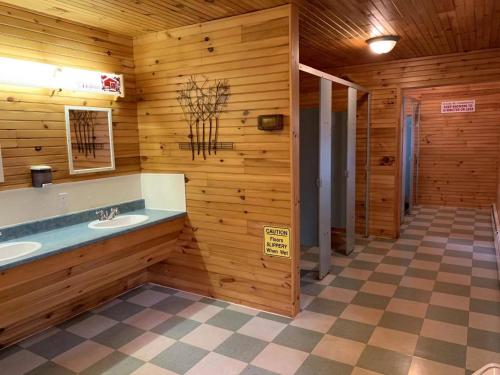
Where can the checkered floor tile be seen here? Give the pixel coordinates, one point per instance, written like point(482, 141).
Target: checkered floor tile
point(428, 303)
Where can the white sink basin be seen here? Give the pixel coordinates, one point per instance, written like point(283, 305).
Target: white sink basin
point(14, 250)
point(490, 369)
point(122, 221)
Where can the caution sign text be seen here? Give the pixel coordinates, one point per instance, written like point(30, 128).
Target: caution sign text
point(277, 242)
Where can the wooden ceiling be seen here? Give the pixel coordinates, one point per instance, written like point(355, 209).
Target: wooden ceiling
point(333, 32)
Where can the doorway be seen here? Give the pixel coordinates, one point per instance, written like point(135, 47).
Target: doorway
point(456, 141)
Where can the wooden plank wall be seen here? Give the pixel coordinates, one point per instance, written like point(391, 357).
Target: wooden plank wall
point(458, 151)
point(230, 196)
point(387, 80)
point(32, 117)
point(40, 294)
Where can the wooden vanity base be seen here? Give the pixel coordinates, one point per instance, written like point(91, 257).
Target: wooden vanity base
point(45, 292)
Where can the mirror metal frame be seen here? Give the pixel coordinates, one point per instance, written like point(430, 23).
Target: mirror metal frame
point(72, 169)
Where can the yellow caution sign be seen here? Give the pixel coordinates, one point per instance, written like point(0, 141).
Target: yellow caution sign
point(277, 242)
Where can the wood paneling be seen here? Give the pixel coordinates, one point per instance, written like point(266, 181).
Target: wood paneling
point(386, 82)
point(458, 151)
point(230, 196)
point(34, 118)
point(333, 33)
point(136, 18)
point(45, 292)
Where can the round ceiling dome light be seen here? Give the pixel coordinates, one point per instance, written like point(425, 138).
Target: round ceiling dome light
point(383, 44)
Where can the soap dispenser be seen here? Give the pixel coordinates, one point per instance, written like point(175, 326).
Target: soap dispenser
point(41, 176)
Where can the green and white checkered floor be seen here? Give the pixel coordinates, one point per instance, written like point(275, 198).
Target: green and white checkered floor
point(428, 303)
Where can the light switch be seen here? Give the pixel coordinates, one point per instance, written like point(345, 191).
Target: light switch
point(2, 179)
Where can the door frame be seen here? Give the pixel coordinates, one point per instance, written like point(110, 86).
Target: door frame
point(415, 143)
point(324, 182)
point(416, 152)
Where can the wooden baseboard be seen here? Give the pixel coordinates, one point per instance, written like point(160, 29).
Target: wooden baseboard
point(213, 287)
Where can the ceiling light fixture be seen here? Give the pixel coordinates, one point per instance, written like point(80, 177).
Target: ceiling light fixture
point(383, 44)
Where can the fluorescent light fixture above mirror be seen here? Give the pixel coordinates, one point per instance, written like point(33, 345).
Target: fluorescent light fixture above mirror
point(383, 44)
point(34, 74)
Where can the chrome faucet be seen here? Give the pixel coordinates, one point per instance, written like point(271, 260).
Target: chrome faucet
point(110, 214)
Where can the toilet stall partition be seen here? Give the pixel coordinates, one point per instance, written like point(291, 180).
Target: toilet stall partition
point(325, 180)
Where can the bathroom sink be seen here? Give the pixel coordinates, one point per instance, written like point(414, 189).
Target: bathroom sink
point(14, 250)
point(122, 221)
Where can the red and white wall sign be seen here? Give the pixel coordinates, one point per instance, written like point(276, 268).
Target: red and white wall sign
point(458, 106)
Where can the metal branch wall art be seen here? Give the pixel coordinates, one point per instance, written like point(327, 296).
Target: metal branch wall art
point(84, 127)
point(202, 103)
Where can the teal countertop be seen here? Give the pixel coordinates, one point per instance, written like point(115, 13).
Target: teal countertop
point(74, 236)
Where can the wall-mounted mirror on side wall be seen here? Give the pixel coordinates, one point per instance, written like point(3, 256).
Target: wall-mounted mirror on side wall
point(89, 132)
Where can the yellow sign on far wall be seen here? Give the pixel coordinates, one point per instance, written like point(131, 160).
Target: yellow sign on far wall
point(277, 242)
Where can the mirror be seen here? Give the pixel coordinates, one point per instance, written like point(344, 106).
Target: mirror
point(89, 133)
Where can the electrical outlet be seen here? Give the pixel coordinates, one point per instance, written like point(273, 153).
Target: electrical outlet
point(63, 202)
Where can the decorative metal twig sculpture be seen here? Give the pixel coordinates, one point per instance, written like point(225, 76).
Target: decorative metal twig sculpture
point(84, 125)
point(221, 98)
point(202, 102)
point(185, 101)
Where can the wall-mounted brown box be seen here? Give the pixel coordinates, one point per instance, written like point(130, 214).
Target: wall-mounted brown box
point(270, 122)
